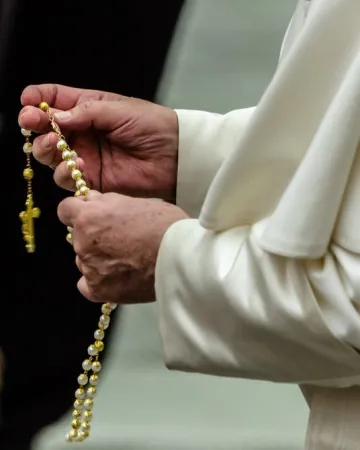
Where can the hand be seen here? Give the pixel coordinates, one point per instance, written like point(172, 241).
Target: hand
point(125, 145)
point(116, 240)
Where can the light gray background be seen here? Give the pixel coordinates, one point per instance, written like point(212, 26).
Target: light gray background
point(224, 54)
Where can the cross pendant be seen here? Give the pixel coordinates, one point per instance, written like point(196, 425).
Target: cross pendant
point(28, 225)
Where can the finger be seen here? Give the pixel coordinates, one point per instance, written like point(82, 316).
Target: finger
point(78, 263)
point(69, 209)
point(56, 95)
point(62, 175)
point(102, 115)
point(63, 97)
point(45, 151)
point(94, 195)
point(86, 291)
point(32, 118)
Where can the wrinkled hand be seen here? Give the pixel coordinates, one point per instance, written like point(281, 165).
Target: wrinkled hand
point(116, 240)
point(125, 145)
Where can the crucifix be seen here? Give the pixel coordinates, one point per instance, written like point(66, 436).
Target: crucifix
point(28, 226)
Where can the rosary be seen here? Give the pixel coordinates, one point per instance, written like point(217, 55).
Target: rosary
point(89, 378)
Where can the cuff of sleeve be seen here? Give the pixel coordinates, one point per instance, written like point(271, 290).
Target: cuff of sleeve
point(197, 165)
point(204, 285)
point(186, 284)
point(168, 290)
point(205, 141)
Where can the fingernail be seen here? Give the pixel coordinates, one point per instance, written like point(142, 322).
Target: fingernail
point(63, 116)
point(21, 117)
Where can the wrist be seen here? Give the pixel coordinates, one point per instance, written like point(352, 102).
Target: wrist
point(169, 183)
point(173, 189)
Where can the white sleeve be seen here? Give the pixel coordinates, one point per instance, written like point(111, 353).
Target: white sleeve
point(205, 141)
point(229, 308)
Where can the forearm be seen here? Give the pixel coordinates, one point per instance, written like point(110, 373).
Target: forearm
point(205, 141)
point(228, 308)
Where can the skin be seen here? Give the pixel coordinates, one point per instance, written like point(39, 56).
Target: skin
point(116, 240)
point(125, 146)
point(129, 145)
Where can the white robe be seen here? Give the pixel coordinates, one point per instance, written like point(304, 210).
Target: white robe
point(264, 281)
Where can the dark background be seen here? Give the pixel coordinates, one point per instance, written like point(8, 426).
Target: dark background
point(46, 326)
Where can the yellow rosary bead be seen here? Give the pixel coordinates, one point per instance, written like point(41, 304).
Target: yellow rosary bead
point(62, 145)
point(27, 147)
point(88, 416)
point(84, 190)
point(105, 309)
point(99, 334)
point(88, 404)
point(84, 434)
point(44, 106)
point(76, 413)
point(94, 379)
point(76, 424)
point(88, 380)
point(80, 183)
point(112, 306)
point(78, 404)
point(83, 379)
point(66, 154)
point(80, 393)
point(96, 366)
point(76, 174)
point(70, 164)
point(105, 319)
point(28, 174)
point(86, 365)
point(91, 392)
point(86, 426)
point(73, 434)
point(99, 345)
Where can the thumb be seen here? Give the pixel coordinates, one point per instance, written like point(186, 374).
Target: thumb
point(85, 290)
point(101, 115)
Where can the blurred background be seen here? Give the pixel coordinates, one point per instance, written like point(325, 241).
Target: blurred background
point(222, 56)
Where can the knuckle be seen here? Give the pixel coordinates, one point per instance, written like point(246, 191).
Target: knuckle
point(81, 250)
point(38, 150)
point(84, 268)
point(41, 149)
point(88, 273)
point(83, 242)
point(53, 92)
point(78, 262)
point(81, 229)
point(86, 105)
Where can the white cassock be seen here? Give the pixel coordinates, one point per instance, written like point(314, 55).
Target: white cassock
point(264, 281)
